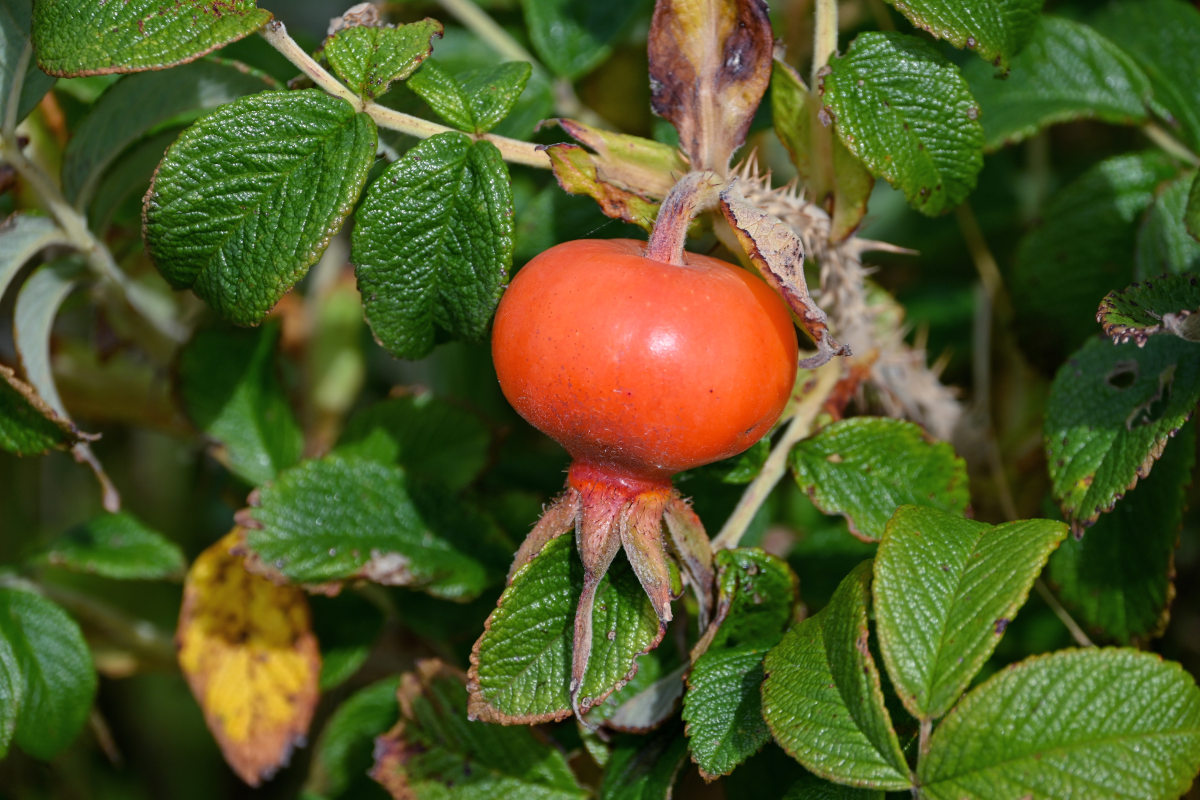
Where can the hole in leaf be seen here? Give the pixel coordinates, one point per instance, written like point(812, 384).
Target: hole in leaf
point(1122, 375)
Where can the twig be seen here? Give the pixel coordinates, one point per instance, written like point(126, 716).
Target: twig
point(776, 463)
point(825, 36)
point(476, 20)
point(512, 150)
point(1155, 133)
point(1065, 618)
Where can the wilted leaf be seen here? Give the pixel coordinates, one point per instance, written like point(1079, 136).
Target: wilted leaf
point(778, 254)
point(83, 37)
point(249, 655)
point(577, 173)
point(369, 57)
point(434, 750)
point(1170, 304)
point(710, 62)
point(866, 467)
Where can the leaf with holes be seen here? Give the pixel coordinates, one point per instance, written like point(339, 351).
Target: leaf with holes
point(1109, 415)
point(247, 199)
point(1068, 71)
point(903, 109)
point(945, 590)
point(230, 389)
point(1164, 245)
point(433, 745)
point(822, 696)
point(521, 665)
point(1118, 579)
point(115, 546)
point(476, 100)
point(368, 58)
point(723, 705)
point(433, 243)
point(83, 37)
point(1079, 723)
point(995, 29)
point(1170, 304)
point(866, 467)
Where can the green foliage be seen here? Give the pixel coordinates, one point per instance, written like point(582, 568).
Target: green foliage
point(865, 468)
point(1164, 305)
point(904, 109)
point(115, 546)
point(476, 100)
point(573, 36)
point(994, 28)
point(343, 752)
point(370, 58)
point(1164, 245)
point(642, 770)
point(27, 425)
point(16, 58)
point(247, 199)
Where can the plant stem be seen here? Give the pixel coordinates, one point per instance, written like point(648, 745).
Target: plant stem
point(923, 739)
point(476, 20)
point(1071, 625)
point(693, 193)
point(512, 150)
point(1155, 133)
point(825, 36)
point(800, 427)
point(9, 128)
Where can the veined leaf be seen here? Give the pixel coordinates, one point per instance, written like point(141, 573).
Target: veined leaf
point(368, 58)
point(82, 37)
point(1170, 304)
point(27, 425)
point(644, 768)
point(115, 546)
point(866, 467)
point(996, 29)
point(1163, 243)
point(1068, 71)
point(473, 101)
point(247, 199)
point(435, 746)
point(1111, 409)
point(1077, 723)
point(1118, 579)
point(822, 697)
point(906, 112)
point(945, 590)
point(433, 242)
point(16, 52)
point(344, 750)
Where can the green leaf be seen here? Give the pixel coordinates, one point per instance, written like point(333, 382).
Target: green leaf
point(1170, 304)
point(475, 100)
point(1081, 723)
point(644, 768)
point(337, 519)
point(58, 681)
point(866, 467)
point(15, 47)
point(1083, 248)
point(723, 704)
point(12, 693)
point(946, 589)
point(905, 111)
point(120, 190)
point(433, 242)
point(115, 546)
point(368, 58)
point(521, 665)
point(435, 751)
point(1068, 71)
point(247, 199)
point(430, 438)
point(27, 425)
point(822, 697)
point(348, 627)
point(135, 105)
point(1164, 244)
point(1161, 35)
point(572, 37)
point(23, 236)
point(1191, 214)
point(37, 305)
point(344, 749)
point(83, 37)
point(810, 787)
point(1117, 579)
point(995, 29)
point(1111, 409)
point(230, 389)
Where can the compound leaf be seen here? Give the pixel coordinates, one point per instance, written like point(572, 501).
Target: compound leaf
point(83, 37)
point(905, 111)
point(433, 243)
point(247, 199)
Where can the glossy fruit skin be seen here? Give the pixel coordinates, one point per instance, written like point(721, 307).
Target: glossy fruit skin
point(641, 368)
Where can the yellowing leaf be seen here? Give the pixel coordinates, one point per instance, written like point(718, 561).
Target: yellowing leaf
point(248, 652)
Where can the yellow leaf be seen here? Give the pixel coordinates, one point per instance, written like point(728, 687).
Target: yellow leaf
point(248, 652)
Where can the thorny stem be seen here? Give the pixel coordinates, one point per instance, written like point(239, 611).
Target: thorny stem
point(512, 150)
point(776, 464)
point(825, 36)
point(695, 192)
point(1169, 143)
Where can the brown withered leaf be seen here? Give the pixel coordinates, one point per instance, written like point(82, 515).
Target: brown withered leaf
point(710, 62)
point(577, 173)
point(248, 652)
point(640, 165)
point(778, 254)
